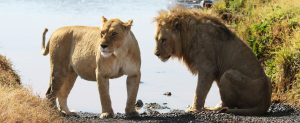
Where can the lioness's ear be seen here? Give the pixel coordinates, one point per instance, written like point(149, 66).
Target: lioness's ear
point(103, 19)
point(128, 24)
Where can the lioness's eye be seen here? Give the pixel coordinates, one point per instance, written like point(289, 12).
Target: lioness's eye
point(114, 33)
point(102, 34)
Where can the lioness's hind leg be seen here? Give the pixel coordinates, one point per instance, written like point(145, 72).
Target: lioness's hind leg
point(51, 96)
point(64, 91)
point(53, 89)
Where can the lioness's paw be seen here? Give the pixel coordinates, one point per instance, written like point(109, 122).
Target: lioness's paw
point(132, 114)
point(69, 114)
point(106, 115)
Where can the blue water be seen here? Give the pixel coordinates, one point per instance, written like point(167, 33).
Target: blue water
point(23, 21)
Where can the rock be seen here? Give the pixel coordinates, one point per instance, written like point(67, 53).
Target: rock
point(139, 104)
point(155, 106)
point(168, 94)
point(277, 113)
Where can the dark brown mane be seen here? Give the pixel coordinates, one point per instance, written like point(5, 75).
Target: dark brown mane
point(187, 23)
point(185, 17)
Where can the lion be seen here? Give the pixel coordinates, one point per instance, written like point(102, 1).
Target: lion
point(94, 54)
point(214, 53)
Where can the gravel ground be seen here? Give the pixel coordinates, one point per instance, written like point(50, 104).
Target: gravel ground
point(278, 113)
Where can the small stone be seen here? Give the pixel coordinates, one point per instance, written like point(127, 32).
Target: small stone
point(139, 104)
point(168, 93)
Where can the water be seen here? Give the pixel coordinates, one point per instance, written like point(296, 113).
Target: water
point(21, 26)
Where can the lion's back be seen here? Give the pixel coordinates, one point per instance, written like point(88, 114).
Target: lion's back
point(75, 46)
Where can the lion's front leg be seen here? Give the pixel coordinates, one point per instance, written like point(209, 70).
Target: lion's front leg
point(103, 88)
point(203, 86)
point(133, 82)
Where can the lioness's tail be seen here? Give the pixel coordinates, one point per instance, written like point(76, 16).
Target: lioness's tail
point(45, 51)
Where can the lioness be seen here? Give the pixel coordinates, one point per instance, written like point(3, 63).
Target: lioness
point(96, 55)
point(214, 53)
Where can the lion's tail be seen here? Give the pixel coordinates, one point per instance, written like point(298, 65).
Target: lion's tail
point(45, 50)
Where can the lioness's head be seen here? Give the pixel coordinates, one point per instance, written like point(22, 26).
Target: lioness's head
point(167, 41)
point(113, 33)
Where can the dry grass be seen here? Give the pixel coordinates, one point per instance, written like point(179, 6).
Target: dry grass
point(18, 104)
point(8, 76)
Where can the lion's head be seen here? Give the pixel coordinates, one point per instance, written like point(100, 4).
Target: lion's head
point(178, 28)
point(113, 34)
point(167, 41)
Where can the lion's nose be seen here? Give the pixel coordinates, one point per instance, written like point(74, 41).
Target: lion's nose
point(104, 46)
point(157, 53)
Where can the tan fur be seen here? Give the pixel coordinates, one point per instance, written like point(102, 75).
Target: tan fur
point(214, 53)
point(77, 51)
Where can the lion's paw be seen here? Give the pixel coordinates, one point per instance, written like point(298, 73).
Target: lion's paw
point(132, 114)
point(213, 108)
point(223, 110)
point(193, 109)
point(106, 115)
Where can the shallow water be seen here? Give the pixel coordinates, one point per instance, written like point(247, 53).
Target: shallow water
point(21, 26)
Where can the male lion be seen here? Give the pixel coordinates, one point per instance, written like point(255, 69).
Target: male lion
point(96, 55)
point(214, 53)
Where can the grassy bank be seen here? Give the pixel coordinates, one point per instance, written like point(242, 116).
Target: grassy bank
point(19, 104)
point(272, 29)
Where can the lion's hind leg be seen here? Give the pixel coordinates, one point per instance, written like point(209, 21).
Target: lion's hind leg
point(51, 96)
point(239, 95)
point(54, 86)
point(64, 91)
point(61, 82)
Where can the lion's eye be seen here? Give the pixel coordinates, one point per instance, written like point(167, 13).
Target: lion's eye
point(163, 40)
point(114, 33)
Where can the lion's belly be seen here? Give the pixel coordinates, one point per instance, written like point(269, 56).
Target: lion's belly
point(85, 67)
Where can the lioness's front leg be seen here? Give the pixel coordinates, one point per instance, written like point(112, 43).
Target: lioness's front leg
point(203, 86)
point(133, 82)
point(103, 88)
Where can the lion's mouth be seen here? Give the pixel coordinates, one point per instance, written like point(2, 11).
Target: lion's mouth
point(164, 59)
point(105, 53)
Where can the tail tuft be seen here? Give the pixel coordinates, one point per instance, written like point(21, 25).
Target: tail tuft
point(45, 50)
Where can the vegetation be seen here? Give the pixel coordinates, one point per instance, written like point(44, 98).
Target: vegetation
point(272, 29)
point(18, 104)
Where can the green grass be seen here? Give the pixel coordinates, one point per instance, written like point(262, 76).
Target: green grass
point(272, 30)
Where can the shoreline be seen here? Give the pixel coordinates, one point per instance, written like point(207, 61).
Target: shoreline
point(277, 113)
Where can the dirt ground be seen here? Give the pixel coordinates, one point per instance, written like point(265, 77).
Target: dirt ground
point(277, 113)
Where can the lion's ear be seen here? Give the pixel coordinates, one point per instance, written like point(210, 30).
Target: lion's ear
point(103, 19)
point(177, 25)
point(128, 24)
